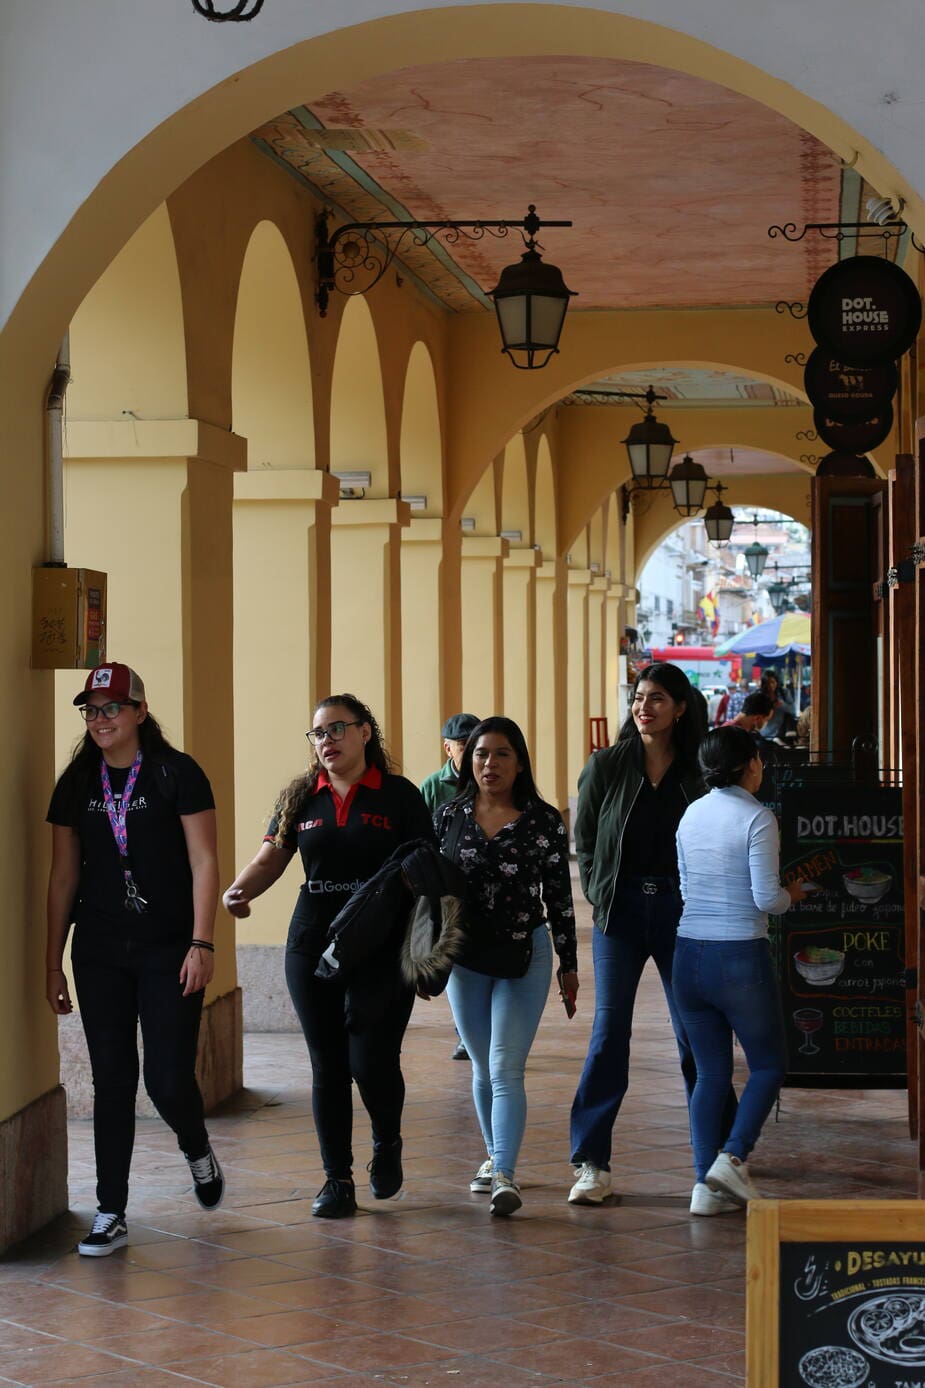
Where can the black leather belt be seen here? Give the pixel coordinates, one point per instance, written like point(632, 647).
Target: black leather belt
point(649, 886)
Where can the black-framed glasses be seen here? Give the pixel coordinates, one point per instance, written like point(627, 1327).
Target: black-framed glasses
point(334, 731)
point(111, 710)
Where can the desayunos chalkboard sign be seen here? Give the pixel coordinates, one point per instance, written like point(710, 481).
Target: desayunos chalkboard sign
point(841, 952)
point(836, 1294)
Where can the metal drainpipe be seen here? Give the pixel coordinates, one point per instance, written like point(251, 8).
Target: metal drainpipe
point(54, 455)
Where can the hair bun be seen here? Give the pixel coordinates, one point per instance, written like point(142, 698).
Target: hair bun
point(716, 780)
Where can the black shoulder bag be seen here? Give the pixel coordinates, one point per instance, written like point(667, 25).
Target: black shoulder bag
point(490, 948)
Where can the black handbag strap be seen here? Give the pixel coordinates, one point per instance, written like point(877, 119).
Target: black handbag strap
point(451, 844)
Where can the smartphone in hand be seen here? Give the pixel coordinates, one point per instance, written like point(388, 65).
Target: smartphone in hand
point(568, 999)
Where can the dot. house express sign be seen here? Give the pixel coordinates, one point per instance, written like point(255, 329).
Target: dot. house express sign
point(865, 310)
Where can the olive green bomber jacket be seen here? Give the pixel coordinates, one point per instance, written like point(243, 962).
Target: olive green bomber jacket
point(607, 790)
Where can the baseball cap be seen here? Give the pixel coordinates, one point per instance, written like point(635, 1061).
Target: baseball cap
point(458, 727)
point(118, 680)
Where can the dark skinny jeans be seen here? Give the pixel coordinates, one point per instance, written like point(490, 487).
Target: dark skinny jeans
point(372, 1057)
point(119, 984)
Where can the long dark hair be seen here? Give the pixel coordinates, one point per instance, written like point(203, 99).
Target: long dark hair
point(724, 756)
point(690, 727)
point(524, 788)
point(306, 783)
point(85, 762)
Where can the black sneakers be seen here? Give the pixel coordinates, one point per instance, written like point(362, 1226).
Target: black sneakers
point(208, 1181)
point(460, 1052)
point(385, 1170)
point(109, 1232)
point(335, 1200)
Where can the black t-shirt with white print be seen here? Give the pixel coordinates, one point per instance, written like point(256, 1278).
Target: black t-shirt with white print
point(168, 786)
point(344, 842)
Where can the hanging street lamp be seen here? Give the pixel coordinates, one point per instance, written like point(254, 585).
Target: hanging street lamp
point(649, 446)
point(531, 299)
point(688, 483)
point(756, 556)
point(719, 519)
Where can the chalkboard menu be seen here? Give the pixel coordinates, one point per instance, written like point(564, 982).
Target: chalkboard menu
point(852, 1314)
point(840, 953)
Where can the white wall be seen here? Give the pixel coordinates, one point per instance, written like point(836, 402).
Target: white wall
point(84, 81)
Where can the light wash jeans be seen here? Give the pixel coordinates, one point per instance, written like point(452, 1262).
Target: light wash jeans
point(497, 1019)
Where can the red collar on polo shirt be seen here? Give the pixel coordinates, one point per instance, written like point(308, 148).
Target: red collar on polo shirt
point(372, 777)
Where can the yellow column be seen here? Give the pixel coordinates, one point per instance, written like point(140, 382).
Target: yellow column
point(150, 503)
point(282, 600)
point(423, 613)
point(597, 596)
point(579, 581)
point(550, 749)
point(366, 655)
point(519, 584)
point(615, 664)
point(482, 620)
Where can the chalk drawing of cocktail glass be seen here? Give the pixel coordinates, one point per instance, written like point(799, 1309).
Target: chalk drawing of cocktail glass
point(808, 1020)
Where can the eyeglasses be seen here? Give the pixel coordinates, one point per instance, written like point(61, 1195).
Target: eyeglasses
point(112, 710)
point(334, 731)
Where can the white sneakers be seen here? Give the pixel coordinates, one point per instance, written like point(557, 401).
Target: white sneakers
point(481, 1181)
point(729, 1176)
point(705, 1201)
point(592, 1186)
point(505, 1195)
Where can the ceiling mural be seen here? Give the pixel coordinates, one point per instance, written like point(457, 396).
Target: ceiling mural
point(692, 387)
point(671, 181)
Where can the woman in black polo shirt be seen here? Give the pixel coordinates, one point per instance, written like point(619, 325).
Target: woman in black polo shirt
point(345, 815)
point(134, 865)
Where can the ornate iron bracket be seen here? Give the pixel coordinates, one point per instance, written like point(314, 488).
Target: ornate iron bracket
point(794, 358)
point(809, 435)
point(810, 458)
point(844, 231)
point(791, 306)
point(354, 257)
point(240, 12)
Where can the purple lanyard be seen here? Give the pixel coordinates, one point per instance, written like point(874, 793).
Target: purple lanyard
point(133, 901)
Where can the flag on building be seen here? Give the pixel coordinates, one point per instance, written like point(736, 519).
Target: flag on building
point(707, 612)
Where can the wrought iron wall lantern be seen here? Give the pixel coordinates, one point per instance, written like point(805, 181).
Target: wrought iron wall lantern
point(688, 483)
point(719, 519)
point(531, 297)
point(649, 444)
point(756, 555)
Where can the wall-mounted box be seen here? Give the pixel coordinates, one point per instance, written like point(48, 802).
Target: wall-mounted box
point(68, 619)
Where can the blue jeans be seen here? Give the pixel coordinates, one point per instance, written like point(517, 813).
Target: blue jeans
point(721, 987)
point(640, 927)
point(497, 1019)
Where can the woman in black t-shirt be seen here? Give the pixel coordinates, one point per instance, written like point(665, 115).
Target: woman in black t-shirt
point(134, 866)
point(345, 815)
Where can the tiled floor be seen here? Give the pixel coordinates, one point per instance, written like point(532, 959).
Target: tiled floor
point(426, 1288)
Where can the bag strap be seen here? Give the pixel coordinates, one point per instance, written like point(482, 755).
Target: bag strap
point(457, 824)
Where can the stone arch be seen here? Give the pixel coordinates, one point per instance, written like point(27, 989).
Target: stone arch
point(271, 390)
point(515, 492)
point(544, 502)
point(359, 439)
point(421, 446)
point(128, 352)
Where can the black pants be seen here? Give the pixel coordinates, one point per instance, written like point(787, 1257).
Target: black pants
point(372, 1057)
point(120, 983)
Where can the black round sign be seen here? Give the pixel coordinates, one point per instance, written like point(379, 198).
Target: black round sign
point(865, 310)
point(848, 392)
point(853, 435)
point(844, 465)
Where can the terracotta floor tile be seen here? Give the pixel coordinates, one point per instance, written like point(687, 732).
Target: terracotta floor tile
point(205, 1308)
point(256, 1368)
point(486, 1334)
point(684, 1340)
point(578, 1359)
point(284, 1328)
point(47, 1363)
point(170, 1343)
point(374, 1353)
point(13, 1337)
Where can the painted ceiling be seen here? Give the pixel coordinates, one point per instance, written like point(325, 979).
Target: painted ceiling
point(690, 387)
point(742, 462)
point(671, 181)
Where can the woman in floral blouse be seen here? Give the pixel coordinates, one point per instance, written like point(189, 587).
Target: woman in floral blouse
point(513, 849)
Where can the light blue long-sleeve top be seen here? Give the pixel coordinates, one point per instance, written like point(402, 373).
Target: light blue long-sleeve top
point(729, 861)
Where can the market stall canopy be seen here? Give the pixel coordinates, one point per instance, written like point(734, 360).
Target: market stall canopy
point(788, 634)
point(676, 653)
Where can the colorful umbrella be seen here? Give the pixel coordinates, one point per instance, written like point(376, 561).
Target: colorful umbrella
point(788, 634)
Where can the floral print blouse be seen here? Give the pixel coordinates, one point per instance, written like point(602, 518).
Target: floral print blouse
point(523, 869)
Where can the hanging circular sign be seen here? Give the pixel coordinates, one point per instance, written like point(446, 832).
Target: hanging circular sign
point(865, 310)
point(850, 392)
point(853, 435)
point(844, 465)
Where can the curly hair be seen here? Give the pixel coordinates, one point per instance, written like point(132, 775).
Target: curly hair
point(306, 783)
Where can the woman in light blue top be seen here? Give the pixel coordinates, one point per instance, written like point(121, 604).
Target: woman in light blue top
point(723, 978)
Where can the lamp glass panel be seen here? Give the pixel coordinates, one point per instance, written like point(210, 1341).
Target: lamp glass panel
point(548, 315)
point(512, 319)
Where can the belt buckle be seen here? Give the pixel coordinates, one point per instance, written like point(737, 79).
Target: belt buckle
point(650, 889)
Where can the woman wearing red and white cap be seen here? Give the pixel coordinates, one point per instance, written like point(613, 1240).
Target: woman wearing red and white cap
point(134, 866)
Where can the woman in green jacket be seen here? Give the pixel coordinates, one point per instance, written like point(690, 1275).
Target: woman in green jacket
point(630, 801)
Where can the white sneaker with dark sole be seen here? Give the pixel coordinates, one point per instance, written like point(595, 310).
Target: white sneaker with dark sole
point(592, 1186)
point(481, 1181)
point(505, 1195)
point(705, 1201)
point(109, 1232)
point(730, 1176)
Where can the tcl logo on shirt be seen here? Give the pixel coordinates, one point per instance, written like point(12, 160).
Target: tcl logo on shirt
point(378, 821)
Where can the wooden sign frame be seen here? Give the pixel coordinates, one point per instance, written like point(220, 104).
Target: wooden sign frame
point(775, 1222)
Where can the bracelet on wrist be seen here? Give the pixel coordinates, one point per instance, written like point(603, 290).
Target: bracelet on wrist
point(203, 944)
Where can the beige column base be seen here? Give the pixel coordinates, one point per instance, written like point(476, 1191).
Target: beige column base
point(33, 1167)
point(519, 580)
point(219, 1067)
point(482, 604)
point(549, 750)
